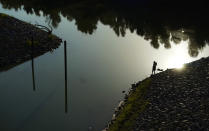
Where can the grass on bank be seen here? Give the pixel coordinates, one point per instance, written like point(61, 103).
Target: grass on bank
point(3, 15)
point(133, 107)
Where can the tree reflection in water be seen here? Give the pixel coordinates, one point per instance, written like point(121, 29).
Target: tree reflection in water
point(159, 22)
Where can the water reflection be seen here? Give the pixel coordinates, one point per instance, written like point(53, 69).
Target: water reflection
point(32, 64)
point(65, 59)
point(20, 42)
point(65, 67)
point(102, 65)
point(153, 24)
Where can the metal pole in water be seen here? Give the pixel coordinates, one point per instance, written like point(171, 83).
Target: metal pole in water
point(32, 64)
point(65, 54)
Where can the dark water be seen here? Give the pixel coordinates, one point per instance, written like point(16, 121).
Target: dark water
point(106, 52)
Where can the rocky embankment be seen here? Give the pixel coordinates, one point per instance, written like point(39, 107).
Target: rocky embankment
point(178, 99)
point(16, 44)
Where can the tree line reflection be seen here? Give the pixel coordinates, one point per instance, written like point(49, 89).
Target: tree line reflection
point(159, 23)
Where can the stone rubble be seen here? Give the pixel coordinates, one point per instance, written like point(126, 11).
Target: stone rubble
point(16, 42)
point(178, 99)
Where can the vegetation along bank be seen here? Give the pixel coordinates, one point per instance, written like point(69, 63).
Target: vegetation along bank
point(176, 99)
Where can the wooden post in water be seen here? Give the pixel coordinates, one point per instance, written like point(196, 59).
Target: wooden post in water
point(65, 54)
point(32, 64)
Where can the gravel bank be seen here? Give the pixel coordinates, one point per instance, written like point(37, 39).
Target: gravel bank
point(16, 42)
point(177, 99)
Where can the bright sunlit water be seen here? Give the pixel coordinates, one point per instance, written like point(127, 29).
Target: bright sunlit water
point(100, 67)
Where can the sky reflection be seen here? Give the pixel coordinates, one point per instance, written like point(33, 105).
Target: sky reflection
point(100, 66)
point(180, 55)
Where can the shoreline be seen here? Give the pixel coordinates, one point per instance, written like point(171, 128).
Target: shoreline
point(173, 99)
point(21, 41)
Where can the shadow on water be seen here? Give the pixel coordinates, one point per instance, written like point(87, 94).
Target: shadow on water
point(159, 22)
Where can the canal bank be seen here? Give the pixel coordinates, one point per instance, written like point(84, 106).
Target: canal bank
point(174, 99)
point(98, 54)
point(21, 41)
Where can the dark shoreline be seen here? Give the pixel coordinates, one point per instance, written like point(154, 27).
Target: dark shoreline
point(177, 99)
point(21, 41)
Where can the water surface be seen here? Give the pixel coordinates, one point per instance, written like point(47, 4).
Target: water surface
point(101, 63)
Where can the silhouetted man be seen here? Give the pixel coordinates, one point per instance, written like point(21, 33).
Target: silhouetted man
point(154, 67)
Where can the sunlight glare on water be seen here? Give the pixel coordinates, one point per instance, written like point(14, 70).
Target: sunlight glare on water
point(180, 56)
point(106, 53)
